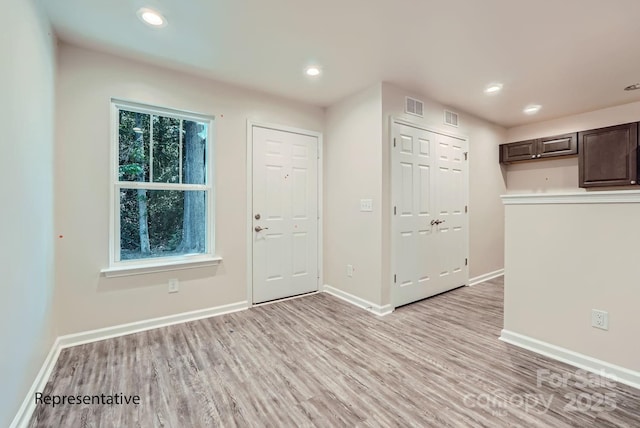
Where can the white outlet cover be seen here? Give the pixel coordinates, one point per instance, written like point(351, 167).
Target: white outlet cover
point(174, 286)
point(600, 319)
point(366, 205)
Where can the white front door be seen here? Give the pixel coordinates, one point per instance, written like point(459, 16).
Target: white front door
point(285, 214)
point(429, 182)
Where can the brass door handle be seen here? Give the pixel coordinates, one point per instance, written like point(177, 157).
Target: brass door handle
point(259, 229)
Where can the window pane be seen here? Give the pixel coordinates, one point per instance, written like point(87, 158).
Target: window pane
point(166, 149)
point(133, 146)
point(194, 152)
point(161, 223)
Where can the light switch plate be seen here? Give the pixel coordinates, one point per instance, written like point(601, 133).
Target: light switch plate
point(350, 271)
point(366, 205)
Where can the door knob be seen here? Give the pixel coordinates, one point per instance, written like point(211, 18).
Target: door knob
point(433, 222)
point(258, 228)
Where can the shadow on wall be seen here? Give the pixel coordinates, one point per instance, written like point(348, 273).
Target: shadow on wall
point(503, 171)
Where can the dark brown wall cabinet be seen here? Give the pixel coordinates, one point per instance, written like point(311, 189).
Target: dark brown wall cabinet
point(608, 156)
point(540, 148)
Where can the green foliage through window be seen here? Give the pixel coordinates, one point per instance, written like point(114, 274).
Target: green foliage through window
point(165, 213)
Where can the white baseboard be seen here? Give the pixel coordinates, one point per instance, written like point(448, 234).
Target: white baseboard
point(486, 277)
point(616, 373)
point(23, 416)
point(355, 300)
point(81, 338)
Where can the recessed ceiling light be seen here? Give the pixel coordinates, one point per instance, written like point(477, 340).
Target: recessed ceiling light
point(151, 17)
point(312, 71)
point(632, 87)
point(493, 88)
point(532, 109)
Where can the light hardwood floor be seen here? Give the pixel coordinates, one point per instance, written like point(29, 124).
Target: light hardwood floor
point(318, 361)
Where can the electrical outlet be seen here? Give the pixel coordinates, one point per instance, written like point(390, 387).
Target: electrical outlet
point(349, 271)
point(174, 285)
point(600, 319)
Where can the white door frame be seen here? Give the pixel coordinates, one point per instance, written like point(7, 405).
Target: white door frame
point(249, 224)
point(396, 120)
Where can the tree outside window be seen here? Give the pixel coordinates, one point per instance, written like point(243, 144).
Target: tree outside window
point(162, 189)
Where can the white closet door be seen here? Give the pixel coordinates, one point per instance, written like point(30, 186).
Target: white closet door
point(452, 232)
point(429, 221)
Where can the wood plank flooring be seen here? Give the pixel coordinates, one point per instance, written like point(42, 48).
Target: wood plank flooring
point(318, 361)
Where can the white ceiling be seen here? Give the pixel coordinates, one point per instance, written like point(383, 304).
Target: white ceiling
point(570, 56)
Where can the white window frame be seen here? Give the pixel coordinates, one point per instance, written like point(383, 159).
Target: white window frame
point(119, 267)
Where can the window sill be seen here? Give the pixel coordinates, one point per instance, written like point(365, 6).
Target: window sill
point(163, 266)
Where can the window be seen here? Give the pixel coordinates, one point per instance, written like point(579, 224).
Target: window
point(162, 187)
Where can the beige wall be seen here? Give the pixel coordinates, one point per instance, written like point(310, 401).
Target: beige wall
point(27, 77)
point(87, 81)
point(486, 181)
point(356, 164)
point(352, 171)
point(574, 258)
point(560, 175)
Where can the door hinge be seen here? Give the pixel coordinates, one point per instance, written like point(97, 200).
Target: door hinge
point(466, 209)
point(466, 262)
point(395, 278)
point(394, 211)
point(466, 154)
point(394, 141)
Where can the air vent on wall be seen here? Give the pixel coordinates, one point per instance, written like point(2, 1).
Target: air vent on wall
point(413, 106)
point(450, 118)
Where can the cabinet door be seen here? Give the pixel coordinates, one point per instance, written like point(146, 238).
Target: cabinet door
point(560, 145)
point(523, 150)
point(608, 156)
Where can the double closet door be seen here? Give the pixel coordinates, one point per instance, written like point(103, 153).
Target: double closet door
point(430, 213)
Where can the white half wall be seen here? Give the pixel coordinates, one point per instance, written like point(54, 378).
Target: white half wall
point(87, 81)
point(570, 254)
point(27, 83)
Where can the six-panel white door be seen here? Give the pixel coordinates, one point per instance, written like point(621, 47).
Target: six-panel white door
point(285, 214)
point(429, 185)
